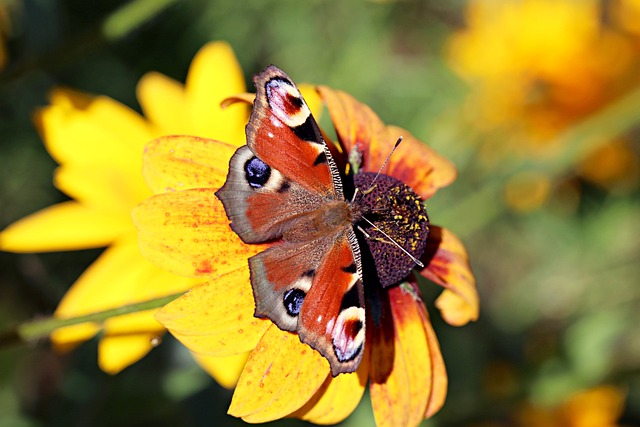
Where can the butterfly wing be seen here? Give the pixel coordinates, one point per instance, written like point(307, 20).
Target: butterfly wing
point(315, 288)
point(283, 185)
point(284, 134)
point(261, 202)
point(332, 317)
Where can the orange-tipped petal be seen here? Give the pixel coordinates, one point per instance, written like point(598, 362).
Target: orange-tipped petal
point(401, 361)
point(164, 103)
point(447, 264)
point(216, 318)
point(417, 165)
point(173, 163)
point(188, 233)
point(224, 369)
point(281, 375)
point(214, 75)
point(65, 226)
point(337, 398)
point(440, 381)
point(359, 127)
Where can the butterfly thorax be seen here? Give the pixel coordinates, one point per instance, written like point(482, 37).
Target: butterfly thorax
point(330, 218)
point(400, 213)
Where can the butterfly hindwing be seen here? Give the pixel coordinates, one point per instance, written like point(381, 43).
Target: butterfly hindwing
point(315, 289)
point(332, 317)
point(281, 277)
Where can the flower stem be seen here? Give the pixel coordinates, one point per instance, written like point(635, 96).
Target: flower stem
point(41, 328)
point(131, 16)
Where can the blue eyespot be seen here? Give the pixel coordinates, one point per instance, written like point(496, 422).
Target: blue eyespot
point(293, 300)
point(257, 172)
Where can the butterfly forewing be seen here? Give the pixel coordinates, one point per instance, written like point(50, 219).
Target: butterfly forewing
point(284, 134)
point(259, 201)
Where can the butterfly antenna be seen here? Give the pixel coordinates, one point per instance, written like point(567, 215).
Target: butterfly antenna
point(385, 161)
point(414, 259)
point(379, 170)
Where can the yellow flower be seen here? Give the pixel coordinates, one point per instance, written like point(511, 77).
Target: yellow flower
point(99, 144)
point(184, 229)
point(626, 14)
point(537, 67)
point(542, 78)
point(596, 407)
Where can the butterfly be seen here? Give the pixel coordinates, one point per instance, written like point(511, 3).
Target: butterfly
point(285, 186)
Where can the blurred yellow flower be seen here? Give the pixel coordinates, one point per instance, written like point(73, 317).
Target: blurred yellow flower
point(626, 14)
point(537, 67)
point(600, 406)
point(98, 143)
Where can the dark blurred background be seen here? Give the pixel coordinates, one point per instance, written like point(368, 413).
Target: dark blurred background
point(535, 101)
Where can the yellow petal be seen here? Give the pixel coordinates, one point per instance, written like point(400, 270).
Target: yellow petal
point(118, 352)
point(337, 398)
point(401, 373)
point(164, 103)
point(213, 76)
point(447, 264)
point(280, 376)
point(216, 318)
point(67, 338)
point(65, 226)
point(132, 323)
point(70, 99)
point(126, 274)
point(187, 233)
point(312, 98)
point(224, 369)
point(103, 187)
point(173, 163)
point(105, 132)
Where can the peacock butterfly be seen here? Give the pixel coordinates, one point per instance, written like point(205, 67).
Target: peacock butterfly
point(284, 186)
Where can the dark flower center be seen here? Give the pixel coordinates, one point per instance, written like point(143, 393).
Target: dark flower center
point(399, 212)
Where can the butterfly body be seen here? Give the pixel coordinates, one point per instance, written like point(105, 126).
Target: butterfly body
point(284, 186)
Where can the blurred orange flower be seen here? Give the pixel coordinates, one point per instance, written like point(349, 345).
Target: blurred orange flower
point(98, 144)
point(597, 407)
point(537, 67)
point(184, 229)
point(5, 30)
point(626, 14)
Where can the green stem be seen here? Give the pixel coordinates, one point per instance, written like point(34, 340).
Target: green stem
point(41, 328)
point(131, 16)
